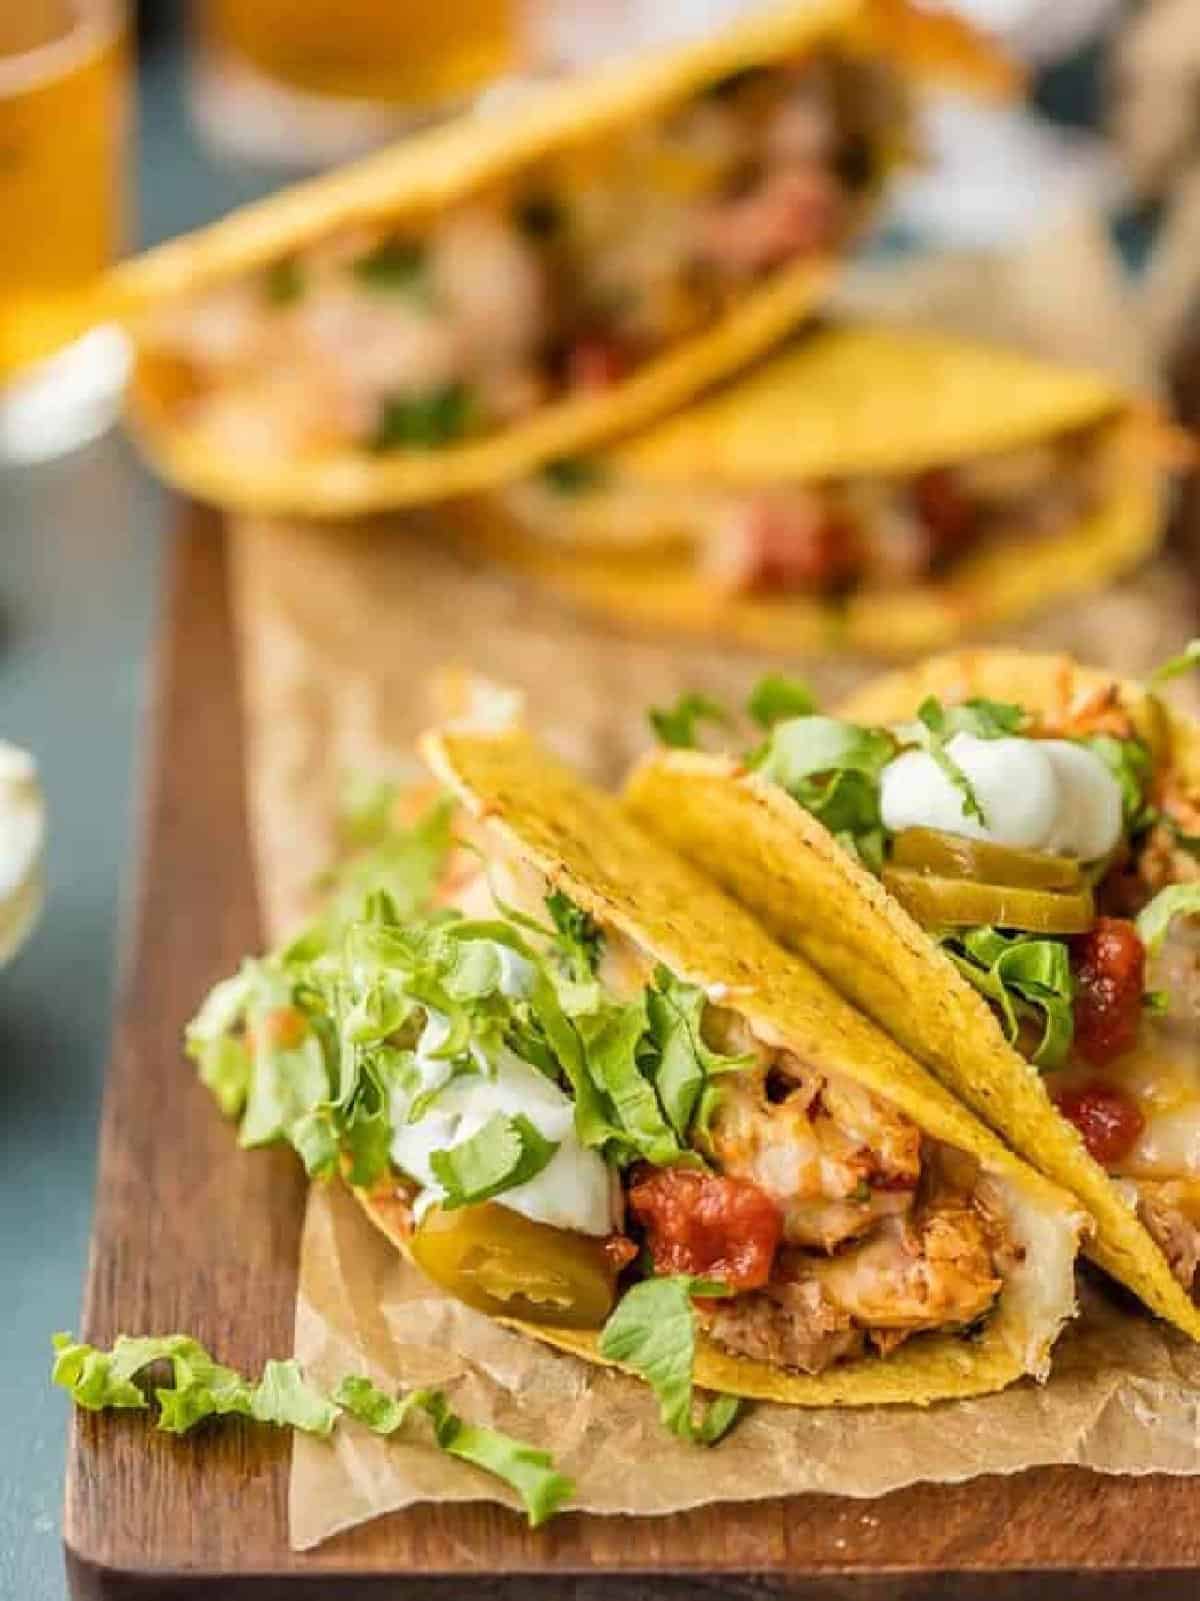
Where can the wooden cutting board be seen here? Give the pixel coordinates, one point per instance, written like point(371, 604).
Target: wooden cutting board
point(191, 1235)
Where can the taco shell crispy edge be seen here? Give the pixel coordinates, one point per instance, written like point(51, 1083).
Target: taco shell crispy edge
point(813, 896)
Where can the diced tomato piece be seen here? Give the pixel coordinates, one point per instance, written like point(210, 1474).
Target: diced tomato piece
point(707, 1225)
point(1110, 978)
point(594, 362)
point(792, 543)
point(946, 511)
point(1108, 1120)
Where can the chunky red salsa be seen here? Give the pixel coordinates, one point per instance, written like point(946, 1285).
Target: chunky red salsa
point(1109, 963)
point(1106, 1118)
point(707, 1225)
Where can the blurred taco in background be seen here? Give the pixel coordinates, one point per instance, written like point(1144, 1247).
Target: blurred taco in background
point(588, 1095)
point(996, 855)
point(872, 488)
point(534, 278)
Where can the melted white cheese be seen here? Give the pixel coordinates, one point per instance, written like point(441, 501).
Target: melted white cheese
point(1035, 794)
point(574, 1189)
point(22, 833)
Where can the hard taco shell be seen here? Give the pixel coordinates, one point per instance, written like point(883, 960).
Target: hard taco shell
point(775, 858)
point(584, 843)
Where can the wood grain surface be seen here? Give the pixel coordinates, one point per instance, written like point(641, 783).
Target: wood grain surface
point(192, 1234)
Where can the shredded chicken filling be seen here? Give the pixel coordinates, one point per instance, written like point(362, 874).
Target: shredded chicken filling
point(885, 1233)
point(564, 279)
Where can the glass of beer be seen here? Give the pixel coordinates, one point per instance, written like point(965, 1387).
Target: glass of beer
point(63, 85)
point(309, 82)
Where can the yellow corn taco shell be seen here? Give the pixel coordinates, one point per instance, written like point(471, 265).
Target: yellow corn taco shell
point(465, 158)
point(850, 401)
point(774, 857)
point(585, 844)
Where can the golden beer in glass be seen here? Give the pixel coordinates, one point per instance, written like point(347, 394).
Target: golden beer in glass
point(314, 80)
point(63, 81)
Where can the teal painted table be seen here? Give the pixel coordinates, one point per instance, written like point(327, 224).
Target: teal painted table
point(81, 548)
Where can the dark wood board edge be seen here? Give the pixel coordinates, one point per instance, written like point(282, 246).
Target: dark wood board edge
point(149, 1516)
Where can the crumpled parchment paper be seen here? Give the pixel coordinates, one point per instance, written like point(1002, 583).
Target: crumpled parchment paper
point(338, 632)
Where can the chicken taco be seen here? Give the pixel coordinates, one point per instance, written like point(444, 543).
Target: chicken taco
point(871, 488)
point(589, 1096)
point(556, 268)
point(996, 855)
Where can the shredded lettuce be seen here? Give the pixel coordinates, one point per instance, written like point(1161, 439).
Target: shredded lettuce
point(1024, 975)
point(1155, 919)
point(309, 1046)
point(202, 1388)
point(1177, 666)
point(986, 719)
point(653, 1331)
point(1130, 763)
point(777, 697)
point(832, 769)
point(686, 1064)
point(99, 1380)
point(531, 1473)
point(677, 726)
point(406, 863)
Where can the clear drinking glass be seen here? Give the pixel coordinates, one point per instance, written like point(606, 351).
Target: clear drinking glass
point(63, 111)
point(308, 82)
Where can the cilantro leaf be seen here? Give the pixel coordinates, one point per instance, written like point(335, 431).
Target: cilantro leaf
point(686, 1063)
point(423, 421)
point(283, 282)
point(985, 719)
point(777, 696)
point(396, 266)
point(932, 717)
point(1022, 975)
point(506, 1152)
point(653, 1331)
point(574, 475)
point(676, 726)
point(1187, 660)
point(1155, 919)
point(579, 935)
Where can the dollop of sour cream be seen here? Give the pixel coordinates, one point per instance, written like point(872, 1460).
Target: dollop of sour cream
point(1035, 794)
point(22, 833)
point(573, 1191)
